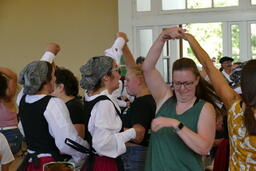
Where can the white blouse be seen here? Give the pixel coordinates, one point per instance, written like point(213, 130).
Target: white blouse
point(105, 125)
point(58, 119)
point(60, 125)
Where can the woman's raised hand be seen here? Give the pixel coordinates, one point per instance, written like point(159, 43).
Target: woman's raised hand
point(172, 33)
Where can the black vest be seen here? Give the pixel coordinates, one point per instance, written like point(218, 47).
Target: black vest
point(88, 106)
point(35, 126)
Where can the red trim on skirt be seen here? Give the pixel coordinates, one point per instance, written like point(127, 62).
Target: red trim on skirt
point(42, 161)
point(102, 163)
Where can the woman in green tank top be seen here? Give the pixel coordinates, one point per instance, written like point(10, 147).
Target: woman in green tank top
point(184, 127)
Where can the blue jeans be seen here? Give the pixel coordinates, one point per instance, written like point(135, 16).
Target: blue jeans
point(14, 139)
point(134, 158)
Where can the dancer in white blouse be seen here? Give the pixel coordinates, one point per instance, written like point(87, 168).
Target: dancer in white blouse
point(44, 119)
point(100, 78)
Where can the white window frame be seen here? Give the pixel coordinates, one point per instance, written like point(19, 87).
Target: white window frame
point(249, 38)
point(199, 9)
point(130, 21)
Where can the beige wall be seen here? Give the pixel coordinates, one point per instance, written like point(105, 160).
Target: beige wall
point(83, 28)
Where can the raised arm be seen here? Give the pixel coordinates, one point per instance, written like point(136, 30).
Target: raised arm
point(128, 57)
point(155, 82)
point(223, 90)
point(116, 50)
point(12, 81)
point(52, 49)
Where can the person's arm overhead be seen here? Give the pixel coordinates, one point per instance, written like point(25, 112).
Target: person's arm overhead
point(51, 51)
point(129, 59)
point(223, 90)
point(12, 81)
point(116, 50)
point(155, 82)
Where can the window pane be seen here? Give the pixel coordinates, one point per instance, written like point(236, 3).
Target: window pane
point(225, 3)
point(194, 4)
point(253, 38)
point(173, 4)
point(143, 5)
point(254, 2)
point(254, 57)
point(209, 35)
point(166, 70)
point(145, 41)
point(235, 41)
point(236, 58)
point(166, 48)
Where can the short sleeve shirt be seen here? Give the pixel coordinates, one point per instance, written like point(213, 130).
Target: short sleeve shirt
point(141, 111)
point(242, 146)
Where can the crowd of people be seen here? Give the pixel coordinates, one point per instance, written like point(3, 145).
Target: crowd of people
point(161, 127)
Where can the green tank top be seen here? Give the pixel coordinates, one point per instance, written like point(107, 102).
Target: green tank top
point(167, 151)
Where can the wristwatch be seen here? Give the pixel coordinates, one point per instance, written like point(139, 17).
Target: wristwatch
point(179, 127)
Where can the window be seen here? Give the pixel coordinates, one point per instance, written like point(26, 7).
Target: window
point(225, 3)
point(222, 27)
point(253, 40)
point(166, 48)
point(143, 5)
point(235, 41)
point(166, 66)
point(209, 36)
point(146, 40)
point(197, 4)
point(173, 4)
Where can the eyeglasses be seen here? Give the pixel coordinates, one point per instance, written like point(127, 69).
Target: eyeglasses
point(116, 69)
point(186, 84)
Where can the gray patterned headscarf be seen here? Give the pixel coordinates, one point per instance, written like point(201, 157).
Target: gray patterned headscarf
point(94, 70)
point(33, 76)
